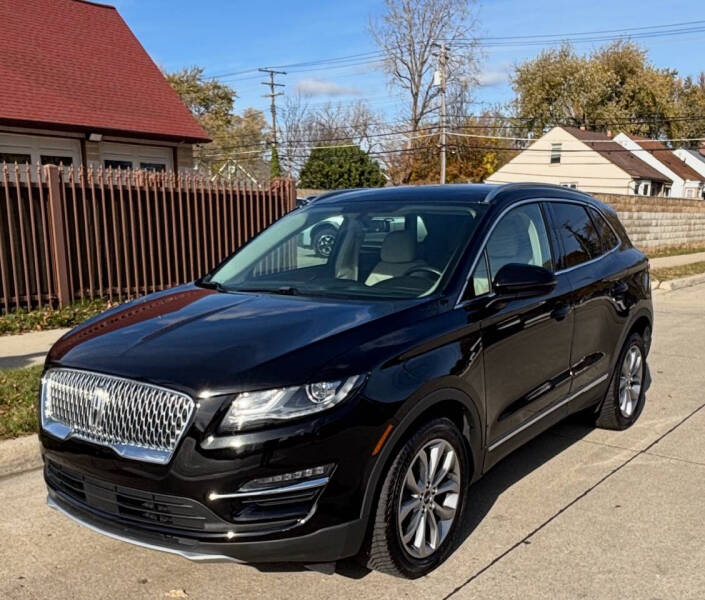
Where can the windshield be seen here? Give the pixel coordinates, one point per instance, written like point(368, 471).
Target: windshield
point(359, 250)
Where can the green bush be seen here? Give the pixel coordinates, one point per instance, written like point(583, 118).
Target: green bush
point(40, 319)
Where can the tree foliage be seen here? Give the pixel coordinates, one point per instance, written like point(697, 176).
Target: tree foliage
point(330, 123)
point(340, 167)
point(469, 159)
point(238, 145)
point(615, 88)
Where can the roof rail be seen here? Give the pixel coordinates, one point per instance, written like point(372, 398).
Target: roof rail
point(508, 187)
point(331, 193)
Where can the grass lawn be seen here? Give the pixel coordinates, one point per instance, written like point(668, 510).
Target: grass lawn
point(18, 401)
point(675, 251)
point(677, 272)
point(22, 321)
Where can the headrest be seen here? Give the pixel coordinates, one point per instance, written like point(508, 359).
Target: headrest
point(510, 237)
point(399, 247)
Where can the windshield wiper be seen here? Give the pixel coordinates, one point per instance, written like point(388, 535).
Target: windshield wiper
point(285, 290)
point(214, 285)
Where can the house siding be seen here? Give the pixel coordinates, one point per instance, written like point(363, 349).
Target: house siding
point(579, 165)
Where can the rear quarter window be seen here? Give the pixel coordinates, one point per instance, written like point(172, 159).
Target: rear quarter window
point(608, 237)
point(577, 233)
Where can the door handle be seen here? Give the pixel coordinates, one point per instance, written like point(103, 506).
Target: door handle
point(561, 312)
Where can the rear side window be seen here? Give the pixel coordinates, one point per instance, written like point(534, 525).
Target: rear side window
point(609, 239)
point(577, 233)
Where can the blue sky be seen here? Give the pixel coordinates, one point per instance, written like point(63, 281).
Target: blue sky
point(230, 36)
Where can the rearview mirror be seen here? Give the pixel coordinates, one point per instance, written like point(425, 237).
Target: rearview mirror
point(523, 281)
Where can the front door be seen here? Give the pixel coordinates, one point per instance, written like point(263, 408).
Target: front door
point(526, 341)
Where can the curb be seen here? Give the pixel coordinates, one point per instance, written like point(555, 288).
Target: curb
point(677, 284)
point(19, 455)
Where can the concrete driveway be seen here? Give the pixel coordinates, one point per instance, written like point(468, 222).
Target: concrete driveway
point(578, 513)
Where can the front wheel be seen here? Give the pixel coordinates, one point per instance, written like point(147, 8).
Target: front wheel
point(324, 241)
point(627, 392)
point(421, 502)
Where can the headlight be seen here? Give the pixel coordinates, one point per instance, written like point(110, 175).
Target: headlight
point(252, 409)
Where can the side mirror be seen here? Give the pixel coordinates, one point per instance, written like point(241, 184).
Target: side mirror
point(523, 281)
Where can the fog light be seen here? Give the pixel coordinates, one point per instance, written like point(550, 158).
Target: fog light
point(263, 483)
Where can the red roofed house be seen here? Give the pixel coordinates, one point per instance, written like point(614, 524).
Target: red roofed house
point(77, 87)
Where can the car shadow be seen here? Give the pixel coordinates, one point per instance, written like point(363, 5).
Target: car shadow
point(483, 494)
point(18, 362)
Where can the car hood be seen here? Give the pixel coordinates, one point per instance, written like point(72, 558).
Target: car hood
point(202, 341)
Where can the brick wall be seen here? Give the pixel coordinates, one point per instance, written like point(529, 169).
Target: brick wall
point(660, 222)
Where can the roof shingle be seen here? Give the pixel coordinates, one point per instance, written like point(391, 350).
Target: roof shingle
point(76, 65)
point(667, 157)
point(617, 155)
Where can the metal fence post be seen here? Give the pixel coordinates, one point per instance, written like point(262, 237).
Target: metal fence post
point(58, 240)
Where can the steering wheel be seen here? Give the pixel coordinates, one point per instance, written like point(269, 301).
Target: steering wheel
point(422, 269)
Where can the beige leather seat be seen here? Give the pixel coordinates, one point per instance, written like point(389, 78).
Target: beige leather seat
point(398, 255)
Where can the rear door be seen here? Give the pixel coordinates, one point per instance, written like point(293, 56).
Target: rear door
point(588, 259)
point(526, 341)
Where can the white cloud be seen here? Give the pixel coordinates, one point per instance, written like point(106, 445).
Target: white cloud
point(320, 87)
point(490, 77)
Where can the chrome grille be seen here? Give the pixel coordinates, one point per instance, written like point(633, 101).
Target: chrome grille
point(137, 420)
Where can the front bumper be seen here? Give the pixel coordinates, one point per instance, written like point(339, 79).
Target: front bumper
point(323, 545)
point(187, 506)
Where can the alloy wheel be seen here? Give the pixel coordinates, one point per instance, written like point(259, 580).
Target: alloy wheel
point(630, 381)
point(324, 244)
point(429, 498)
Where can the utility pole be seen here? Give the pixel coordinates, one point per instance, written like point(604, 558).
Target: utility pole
point(442, 63)
point(272, 96)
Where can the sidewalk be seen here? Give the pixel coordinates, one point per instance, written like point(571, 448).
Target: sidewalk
point(676, 261)
point(27, 349)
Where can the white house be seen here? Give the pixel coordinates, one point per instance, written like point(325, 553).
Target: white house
point(686, 182)
point(586, 160)
point(695, 159)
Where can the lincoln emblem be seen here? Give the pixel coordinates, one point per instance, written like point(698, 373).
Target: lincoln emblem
point(99, 399)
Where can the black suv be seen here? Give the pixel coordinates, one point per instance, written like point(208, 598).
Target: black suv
point(293, 407)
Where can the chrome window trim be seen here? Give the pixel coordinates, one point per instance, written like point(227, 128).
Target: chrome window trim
point(137, 452)
point(536, 418)
point(460, 302)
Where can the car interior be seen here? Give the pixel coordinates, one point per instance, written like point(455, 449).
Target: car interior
point(402, 253)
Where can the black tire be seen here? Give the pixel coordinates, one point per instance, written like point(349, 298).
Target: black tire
point(610, 415)
point(324, 240)
point(385, 551)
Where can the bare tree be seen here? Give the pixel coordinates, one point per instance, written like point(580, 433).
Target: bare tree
point(407, 33)
point(305, 126)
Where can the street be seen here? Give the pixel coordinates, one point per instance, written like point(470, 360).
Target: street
point(577, 513)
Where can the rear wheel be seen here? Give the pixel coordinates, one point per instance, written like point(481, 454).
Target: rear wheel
point(627, 392)
point(421, 502)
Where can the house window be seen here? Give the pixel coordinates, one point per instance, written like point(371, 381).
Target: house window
point(667, 191)
point(11, 157)
point(556, 153)
point(118, 164)
point(642, 188)
point(50, 159)
point(689, 193)
point(151, 166)
point(571, 184)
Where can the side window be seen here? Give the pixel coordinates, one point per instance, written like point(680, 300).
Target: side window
point(609, 239)
point(520, 237)
point(578, 235)
point(481, 278)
